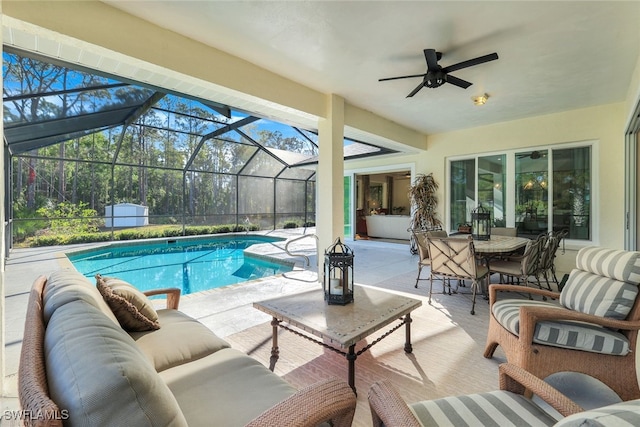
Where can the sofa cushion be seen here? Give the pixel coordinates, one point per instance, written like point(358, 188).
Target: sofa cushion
point(96, 373)
point(237, 389)
point(566, 334)
point(616, 264)
point(616, 415)
point(131, 307)
point(179, 340)
point(496, 408)
point(598, 295)
point(64, 286)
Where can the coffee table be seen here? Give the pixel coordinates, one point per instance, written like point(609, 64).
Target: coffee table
point(338, 327)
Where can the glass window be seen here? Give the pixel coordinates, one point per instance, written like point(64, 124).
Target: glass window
point(492, 187)
point(463, 188)
point(572, 191)
point(551, 191)
point(532, 193)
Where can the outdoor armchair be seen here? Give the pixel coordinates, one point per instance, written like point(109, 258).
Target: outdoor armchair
point(592, 328)
point(507, 406)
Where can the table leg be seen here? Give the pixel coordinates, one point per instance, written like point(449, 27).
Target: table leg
point(408, 348)
point(351, 357)
point(275, 351)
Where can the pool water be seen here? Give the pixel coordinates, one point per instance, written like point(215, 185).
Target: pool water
point(193, 265)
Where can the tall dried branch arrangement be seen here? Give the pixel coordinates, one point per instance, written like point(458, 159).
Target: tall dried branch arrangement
point(424, 203)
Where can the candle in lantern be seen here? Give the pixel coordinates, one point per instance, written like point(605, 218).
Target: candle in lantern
point(335, 283)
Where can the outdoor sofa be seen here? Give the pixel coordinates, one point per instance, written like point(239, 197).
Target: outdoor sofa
point(79, 366)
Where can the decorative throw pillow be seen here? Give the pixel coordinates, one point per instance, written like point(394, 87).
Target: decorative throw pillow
point(131, 307)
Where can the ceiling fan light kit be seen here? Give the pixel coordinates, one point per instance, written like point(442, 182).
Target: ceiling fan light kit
point(437, 75)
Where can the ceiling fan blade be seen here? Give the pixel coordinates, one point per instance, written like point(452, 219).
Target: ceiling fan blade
point(416, 90)
point(402, 77)
point(471, 62)
point(456, 81)
point(432, 59)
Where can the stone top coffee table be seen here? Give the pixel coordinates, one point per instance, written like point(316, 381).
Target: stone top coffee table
point(340, 327)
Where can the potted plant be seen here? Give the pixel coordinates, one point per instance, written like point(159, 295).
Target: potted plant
point(424, 206)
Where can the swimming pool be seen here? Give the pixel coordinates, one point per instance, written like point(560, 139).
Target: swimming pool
point(194, 264)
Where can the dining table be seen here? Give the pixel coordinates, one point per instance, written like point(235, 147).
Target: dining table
point(498, 244)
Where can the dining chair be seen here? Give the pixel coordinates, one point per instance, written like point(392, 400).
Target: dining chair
point(591, 328)
point(521, 267)
point(546, 265)
point(454, 258)
point(423, 248)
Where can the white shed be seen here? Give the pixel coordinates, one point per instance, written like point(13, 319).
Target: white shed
point(127, 215)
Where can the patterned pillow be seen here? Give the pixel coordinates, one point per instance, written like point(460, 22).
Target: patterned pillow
point(131, 307)
point(598, 295)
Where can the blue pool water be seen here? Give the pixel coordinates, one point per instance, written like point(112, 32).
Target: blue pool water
point(193, 265)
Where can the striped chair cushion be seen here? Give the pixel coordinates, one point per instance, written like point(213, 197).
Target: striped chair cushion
point(566, 334)
point(613, 263)
point(496, 408)
point(598, 295)
point(616, 415)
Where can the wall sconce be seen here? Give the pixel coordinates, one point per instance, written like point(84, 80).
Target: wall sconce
point(480, 100)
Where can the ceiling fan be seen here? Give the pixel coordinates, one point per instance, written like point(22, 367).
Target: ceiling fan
point(532, 155)
point(436, 75)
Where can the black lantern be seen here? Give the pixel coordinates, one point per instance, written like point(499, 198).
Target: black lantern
point(480, 223)
point(338, 274)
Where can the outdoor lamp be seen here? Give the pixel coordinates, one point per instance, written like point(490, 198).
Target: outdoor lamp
point(338, 274)
point(480, 223)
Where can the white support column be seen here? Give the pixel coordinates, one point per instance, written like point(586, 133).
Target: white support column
point(330, 178)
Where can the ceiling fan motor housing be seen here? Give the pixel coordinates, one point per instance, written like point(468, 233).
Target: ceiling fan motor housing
point(434, 79)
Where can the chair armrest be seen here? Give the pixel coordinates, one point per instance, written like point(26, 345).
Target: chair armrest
point(173, 296)
point(328, 400)
point(388, 408)
point(495, 288)
point(517, 380)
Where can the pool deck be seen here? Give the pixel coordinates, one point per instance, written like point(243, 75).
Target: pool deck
point(227, 310)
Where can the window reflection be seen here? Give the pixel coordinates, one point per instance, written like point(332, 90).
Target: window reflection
point(532, 193)
point(572, 191)
point(463, 184)
point(492, 187)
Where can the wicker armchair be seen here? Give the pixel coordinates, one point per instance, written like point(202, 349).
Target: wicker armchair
point(508, 406)
point(591, 329)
